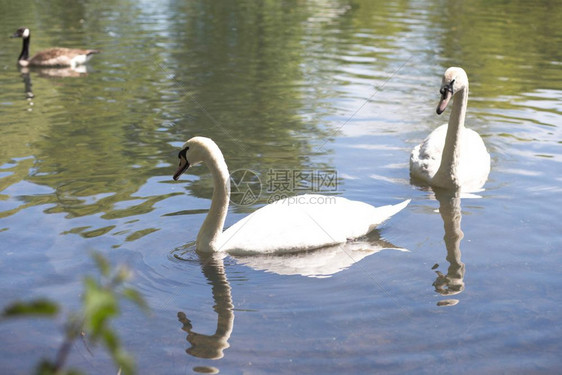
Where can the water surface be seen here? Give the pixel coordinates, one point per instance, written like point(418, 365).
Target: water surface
point(334, 87)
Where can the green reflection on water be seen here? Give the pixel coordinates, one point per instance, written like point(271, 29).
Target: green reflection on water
point(258, 77)
point(508, 48)
point(273, 82)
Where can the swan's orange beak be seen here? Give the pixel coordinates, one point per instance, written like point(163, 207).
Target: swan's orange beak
point(184, 164)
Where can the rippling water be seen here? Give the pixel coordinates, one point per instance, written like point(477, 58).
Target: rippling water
point(335, 87)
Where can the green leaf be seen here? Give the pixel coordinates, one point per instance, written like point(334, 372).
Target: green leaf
point(100, 305)
point(45, 368)
point(43, 307)
point(125, 362)
point(134, 296)
point(110, 340)
point(121, 358)
point(102, 263)
point(123, 274)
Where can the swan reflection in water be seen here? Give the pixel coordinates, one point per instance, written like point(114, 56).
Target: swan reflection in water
point(453, 282)
point(212, 346)
point(320, 263)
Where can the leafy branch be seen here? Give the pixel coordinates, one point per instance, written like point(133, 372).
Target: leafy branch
point(100, 304)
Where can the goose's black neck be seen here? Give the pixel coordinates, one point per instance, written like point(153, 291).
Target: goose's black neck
point(24, 55)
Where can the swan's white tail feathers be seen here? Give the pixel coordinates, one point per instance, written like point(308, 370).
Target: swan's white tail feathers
point(385, 212)
point(393, 209)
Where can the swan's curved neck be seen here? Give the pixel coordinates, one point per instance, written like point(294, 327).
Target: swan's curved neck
point(24, 55)
point(207, 239)
point(446, 175)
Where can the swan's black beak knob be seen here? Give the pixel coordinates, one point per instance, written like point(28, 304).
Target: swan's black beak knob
point(184, 164)
point(446, 92)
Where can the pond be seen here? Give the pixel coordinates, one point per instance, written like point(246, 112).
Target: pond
point(329, 96)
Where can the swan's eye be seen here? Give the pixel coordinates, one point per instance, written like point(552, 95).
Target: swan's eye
point(449, 88)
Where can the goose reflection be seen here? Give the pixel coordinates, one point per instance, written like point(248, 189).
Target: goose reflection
point(212, 346)
point(78, 71)
point(26, 83)
point(58, 72)
point(453, 282)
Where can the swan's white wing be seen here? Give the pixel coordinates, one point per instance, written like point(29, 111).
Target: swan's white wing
point(302, 223)
point(426, 157)
point(473, 165)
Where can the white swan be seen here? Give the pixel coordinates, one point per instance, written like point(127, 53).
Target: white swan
point(452, 156)
point(289, 225)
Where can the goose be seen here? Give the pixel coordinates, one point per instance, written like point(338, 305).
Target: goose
point(53, 57)
point(452, 156)
point(289, 225)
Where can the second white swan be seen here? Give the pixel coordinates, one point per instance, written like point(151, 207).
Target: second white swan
point(288, 225)
point(452, 156)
